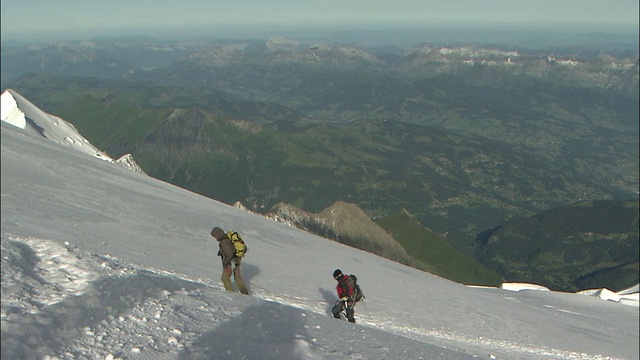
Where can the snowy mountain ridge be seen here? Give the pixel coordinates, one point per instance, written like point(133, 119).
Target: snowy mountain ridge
point(20, 112)
point(102, 262)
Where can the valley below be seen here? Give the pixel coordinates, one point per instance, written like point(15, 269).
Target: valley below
point(462, 137)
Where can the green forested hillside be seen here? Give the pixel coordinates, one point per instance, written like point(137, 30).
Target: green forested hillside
point(586, 245)
point(434, 254)
point(261, 153)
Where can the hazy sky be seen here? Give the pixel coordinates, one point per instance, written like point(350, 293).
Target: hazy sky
point(139, 16)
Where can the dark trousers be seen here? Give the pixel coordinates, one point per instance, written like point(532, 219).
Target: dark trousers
point(337, 308)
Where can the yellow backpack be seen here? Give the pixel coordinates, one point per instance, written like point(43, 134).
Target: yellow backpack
point(238, 243)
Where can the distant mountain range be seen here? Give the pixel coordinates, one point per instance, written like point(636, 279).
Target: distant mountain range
point(463, 138)
point(140, 58)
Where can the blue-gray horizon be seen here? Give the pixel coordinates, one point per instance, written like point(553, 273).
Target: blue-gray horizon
point(252, 18)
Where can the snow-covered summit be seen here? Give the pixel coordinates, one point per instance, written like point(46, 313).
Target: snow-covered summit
point(20, 112)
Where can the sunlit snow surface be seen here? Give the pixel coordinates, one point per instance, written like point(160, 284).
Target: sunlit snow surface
point(101, 262)
point(10, 112)
point(22, 113)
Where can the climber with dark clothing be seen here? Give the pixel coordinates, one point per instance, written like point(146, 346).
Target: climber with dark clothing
point(345, 296)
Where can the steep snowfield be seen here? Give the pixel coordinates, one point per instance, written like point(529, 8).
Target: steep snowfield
point(20, 112)
point(102, 262)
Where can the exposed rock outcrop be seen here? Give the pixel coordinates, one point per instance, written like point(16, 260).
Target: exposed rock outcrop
point(347, 224)
point(127, 161)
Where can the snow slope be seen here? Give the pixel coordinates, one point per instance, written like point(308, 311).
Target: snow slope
point(101, 262)
point(20, 112)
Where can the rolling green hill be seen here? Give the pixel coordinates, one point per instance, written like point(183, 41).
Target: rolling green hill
point(590, 244)
point(434, 254)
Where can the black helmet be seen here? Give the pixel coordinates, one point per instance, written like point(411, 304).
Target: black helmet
point(337, 274)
